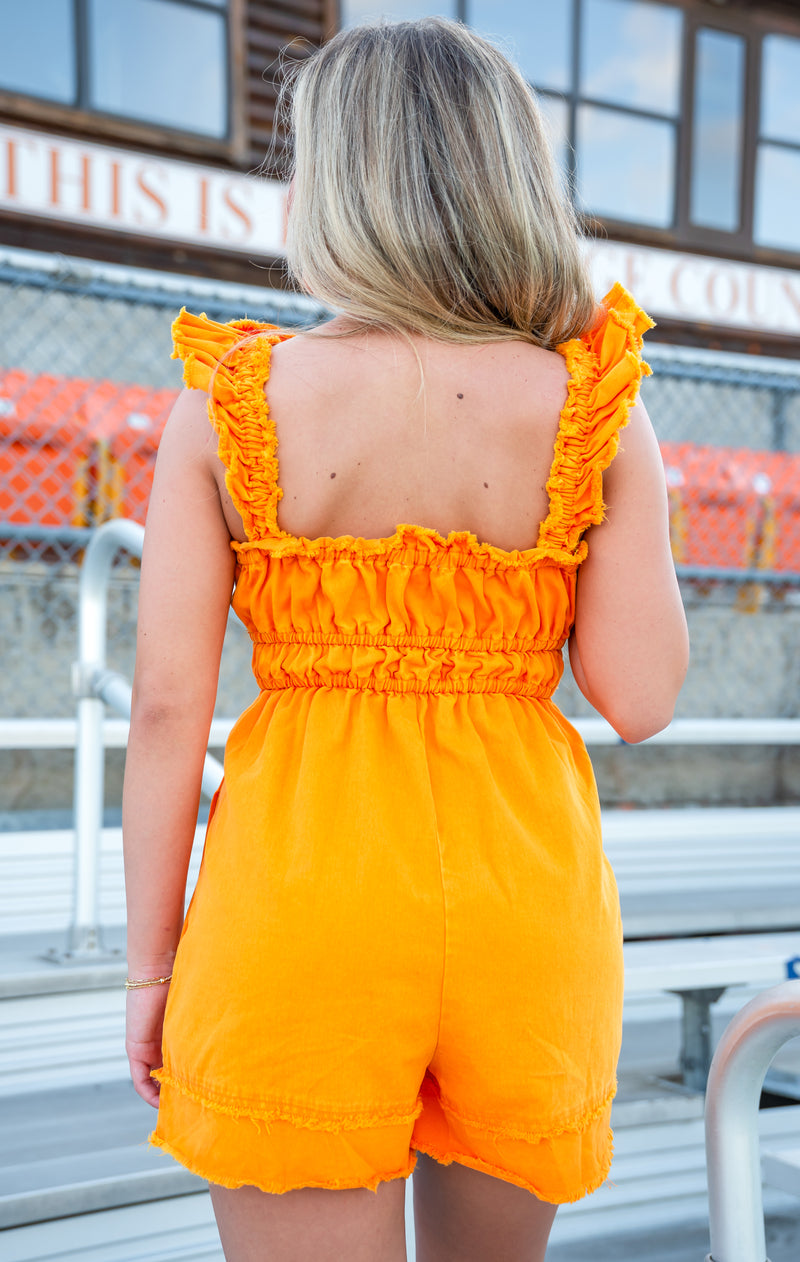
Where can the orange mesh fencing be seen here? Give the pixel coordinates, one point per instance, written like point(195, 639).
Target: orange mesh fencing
point(732, 508)
point(75, 452)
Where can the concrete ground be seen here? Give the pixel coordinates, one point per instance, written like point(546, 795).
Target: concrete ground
point(678, 1244)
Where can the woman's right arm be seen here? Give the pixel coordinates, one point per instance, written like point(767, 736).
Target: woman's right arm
point(629, 648)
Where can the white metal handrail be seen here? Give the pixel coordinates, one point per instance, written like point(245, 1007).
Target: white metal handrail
point(742, 1058)
point(95, 687)
point(39, 733)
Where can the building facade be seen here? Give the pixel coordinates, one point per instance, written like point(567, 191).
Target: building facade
point(132, 133)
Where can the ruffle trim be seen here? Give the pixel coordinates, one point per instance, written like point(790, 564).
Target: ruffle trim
point(204, 1171)
point(605, 368)
point(231, 362)
point(283, 1111)
point(409, 545)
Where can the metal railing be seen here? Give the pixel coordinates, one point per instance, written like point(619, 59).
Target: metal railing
point(742, 1058)
point(95, 687)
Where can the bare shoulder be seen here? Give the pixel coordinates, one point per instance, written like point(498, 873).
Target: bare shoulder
point(188, 425)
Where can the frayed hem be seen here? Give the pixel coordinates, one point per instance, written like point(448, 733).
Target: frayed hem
point(154, 1140)
point(498, 1172)
point(575, 1126)
point(308, 1119)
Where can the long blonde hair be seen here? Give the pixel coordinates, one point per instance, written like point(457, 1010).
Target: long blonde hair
point(425, 197)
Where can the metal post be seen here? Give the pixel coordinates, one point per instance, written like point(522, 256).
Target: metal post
point(85, 936)
point(95, 686)
point(743, 1055)
point(696, 1030)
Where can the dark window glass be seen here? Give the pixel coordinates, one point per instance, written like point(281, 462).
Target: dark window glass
point(631, 54)
point(537, 34)
point(717, 141)
point(777, 222)
point(625, 166)
point(780, 89)
point(37, 49)
point(160, 62)
point(355, 11)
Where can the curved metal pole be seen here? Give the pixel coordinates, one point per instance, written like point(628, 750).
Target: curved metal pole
point(743, 1055)
point(106, 542)
point(95, 687)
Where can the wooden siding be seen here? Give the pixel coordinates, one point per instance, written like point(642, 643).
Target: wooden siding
point(294, 27)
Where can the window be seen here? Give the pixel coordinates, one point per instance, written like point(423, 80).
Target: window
point(163, 62)
point(655, 110)
point(355, 11)
point(36, 51)
point(717, 126)
point(778, 161)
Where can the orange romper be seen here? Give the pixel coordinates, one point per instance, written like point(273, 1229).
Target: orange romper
point(405, 935)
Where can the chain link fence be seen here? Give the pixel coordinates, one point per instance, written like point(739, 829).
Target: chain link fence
point(86, 385)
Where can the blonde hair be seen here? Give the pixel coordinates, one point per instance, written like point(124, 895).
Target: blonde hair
point(425, 196)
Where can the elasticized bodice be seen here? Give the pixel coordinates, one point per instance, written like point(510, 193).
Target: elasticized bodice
point(415, 612)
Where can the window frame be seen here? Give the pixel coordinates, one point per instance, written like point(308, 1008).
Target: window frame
point(752, 24)
point(746, 19)
point(102, 126)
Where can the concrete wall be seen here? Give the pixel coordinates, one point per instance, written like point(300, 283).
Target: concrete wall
point(744, 664)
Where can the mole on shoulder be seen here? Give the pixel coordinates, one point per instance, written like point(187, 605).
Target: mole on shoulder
point(459, 396)
point(486, 484)
point(333, 475)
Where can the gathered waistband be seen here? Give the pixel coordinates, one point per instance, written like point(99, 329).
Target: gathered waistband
point(405, 664)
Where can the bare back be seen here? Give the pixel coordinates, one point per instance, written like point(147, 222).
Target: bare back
point(363, 446)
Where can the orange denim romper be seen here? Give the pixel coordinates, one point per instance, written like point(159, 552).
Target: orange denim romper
point(405, 936)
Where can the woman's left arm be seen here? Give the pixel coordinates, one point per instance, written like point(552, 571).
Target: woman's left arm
point(184, 597)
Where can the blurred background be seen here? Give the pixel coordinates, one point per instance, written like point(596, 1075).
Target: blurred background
point(142, 169)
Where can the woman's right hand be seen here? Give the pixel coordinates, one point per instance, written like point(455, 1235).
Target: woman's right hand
point(144, 1023)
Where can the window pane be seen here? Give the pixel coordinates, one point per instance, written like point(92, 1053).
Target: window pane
point(355, 11)
point(37, 49)
point(631, 54)
point(161, 62)
point(556, 121)
point(625, 166)
point(719, 85)
point(780, 88)
point(536, 33)
point(777, 197)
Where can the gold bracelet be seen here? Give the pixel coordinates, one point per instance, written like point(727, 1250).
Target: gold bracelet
point(130, 984)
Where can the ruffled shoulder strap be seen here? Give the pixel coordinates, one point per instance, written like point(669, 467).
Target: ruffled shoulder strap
point(605, 371)
point(231, 363)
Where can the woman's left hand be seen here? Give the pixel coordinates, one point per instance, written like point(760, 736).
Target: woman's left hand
point(144, 1022)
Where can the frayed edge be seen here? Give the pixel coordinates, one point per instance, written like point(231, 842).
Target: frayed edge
point(498, 1172)
point(198, 1168)
point(575, 1126)
point(570, 475)
point(305, 1119)
point(410, 544)
point(239, 356)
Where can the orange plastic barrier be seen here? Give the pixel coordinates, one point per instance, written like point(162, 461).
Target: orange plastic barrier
point(42, 441)
point(732, 508)
point(75, 452)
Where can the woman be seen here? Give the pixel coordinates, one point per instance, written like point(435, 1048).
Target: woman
point(404, 944)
